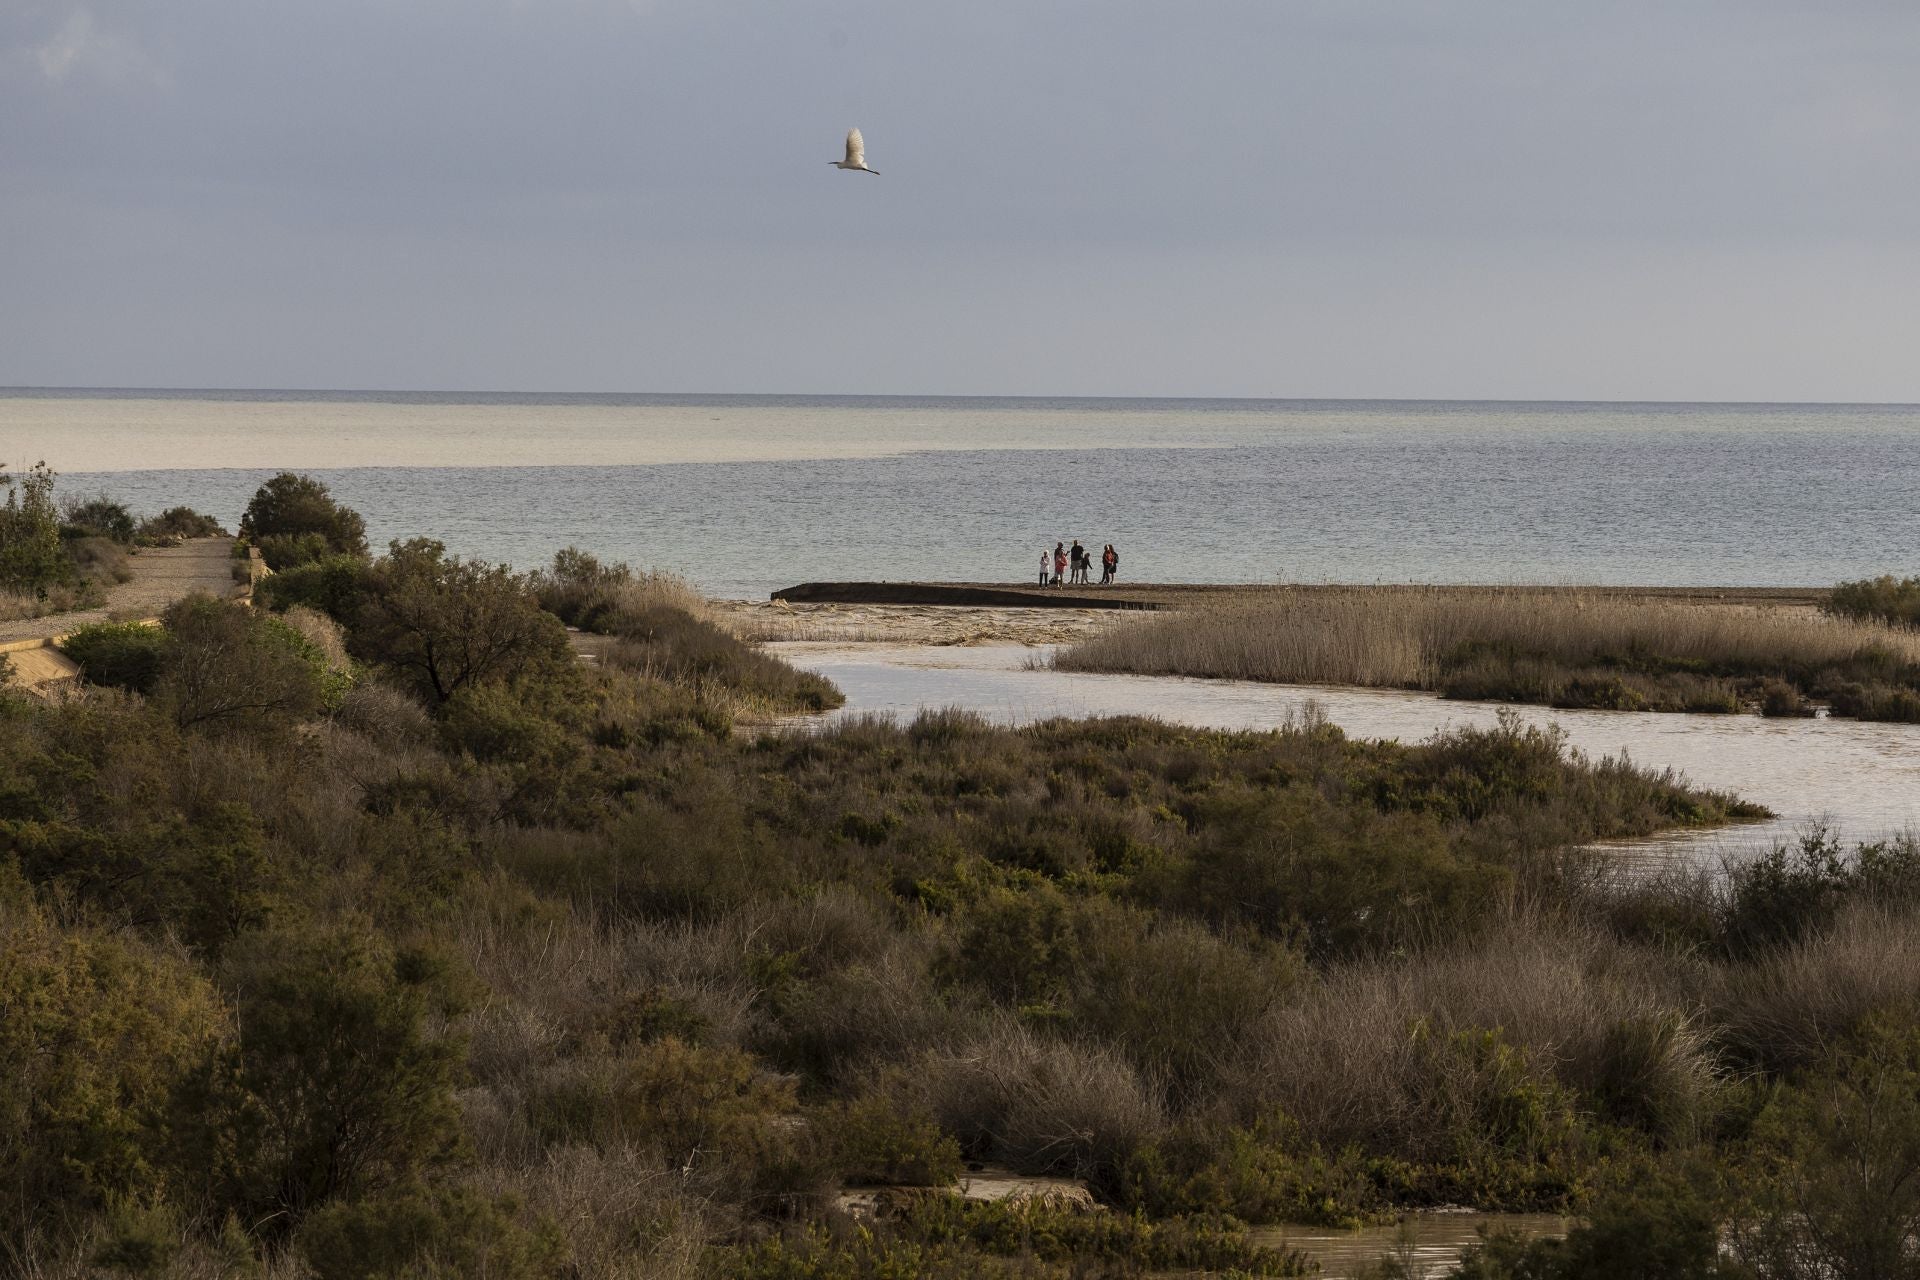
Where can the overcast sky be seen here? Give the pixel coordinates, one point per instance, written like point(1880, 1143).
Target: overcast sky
point(1662, 199)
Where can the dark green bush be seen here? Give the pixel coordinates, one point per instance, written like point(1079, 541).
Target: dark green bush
point(343, 1082)
point(99, 1035)
point(1778, 698)
point(943, 1237)
point(284, 551)
point(873, 1141)
point(176, 523)
point(296, 517)
point(334, 585)
point(1896, 703)
point(99, 517)
point(447, 1232)
point(233, 666)
point(1664, 1229)
point(1885, 598)
point(120, 655)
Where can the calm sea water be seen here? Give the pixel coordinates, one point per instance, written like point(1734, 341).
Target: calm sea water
point(746, 494)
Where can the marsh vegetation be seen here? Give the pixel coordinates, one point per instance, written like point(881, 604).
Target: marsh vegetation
point(1561, 649)
point(369, 933)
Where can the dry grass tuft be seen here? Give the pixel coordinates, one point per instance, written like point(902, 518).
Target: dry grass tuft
point(1790, 1009)
point(1361, 1059)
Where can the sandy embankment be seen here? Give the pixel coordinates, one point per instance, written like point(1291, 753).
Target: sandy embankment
point(776, 621)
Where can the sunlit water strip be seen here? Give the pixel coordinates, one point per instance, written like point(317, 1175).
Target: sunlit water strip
point(1861, 779)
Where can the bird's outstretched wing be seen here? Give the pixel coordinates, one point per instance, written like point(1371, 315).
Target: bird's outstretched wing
point(856, 149)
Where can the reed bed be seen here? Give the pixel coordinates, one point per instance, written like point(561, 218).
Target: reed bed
point(1565, 648)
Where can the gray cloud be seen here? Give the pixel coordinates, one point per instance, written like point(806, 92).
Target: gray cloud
point(1325, 197)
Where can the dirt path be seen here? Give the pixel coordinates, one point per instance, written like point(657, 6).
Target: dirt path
point(161, 575)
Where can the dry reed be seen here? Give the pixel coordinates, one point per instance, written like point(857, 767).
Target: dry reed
point(1406, 638)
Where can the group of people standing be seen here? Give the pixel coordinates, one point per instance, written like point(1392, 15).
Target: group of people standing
point(1076, 564)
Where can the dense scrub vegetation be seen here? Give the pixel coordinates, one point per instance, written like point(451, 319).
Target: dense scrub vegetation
point(1537, 646)
point(371, 934)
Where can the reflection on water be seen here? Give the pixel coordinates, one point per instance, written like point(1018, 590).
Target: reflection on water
point(1430, 1243)
point(1862, 778)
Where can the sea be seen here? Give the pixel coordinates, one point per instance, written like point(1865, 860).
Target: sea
point(746, 494)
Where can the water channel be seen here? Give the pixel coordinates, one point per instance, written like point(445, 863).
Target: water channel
point(1861, 779)
point(1425, 1244)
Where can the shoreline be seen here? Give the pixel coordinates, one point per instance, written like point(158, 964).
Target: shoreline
point(1157, 596)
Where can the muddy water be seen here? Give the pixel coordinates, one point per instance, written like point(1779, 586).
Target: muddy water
point(1862, 779)
point(1429, 1243)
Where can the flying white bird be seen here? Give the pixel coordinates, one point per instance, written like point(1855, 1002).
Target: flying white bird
point(856, 154)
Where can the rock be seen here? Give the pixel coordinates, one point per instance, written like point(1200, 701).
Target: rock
point(1065, 1195)
point(982, 1186)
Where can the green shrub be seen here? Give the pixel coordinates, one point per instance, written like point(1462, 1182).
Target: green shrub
point(1660, 1229)
point(1886, 598)
point(1834, 1191)
point(176, 523)
point(343, 1081)
point(98, 517)
point(1778, 698)
point(290, 511)
point(31, 560)
point(1266, 1173)
point(416, 1232)
point(1336, 881)
point(120, 655)
point(873, 1141)
point(284, 551)
point(141, 1238)
point(232, 666)
point(98, 1036)
point(334, 585)
point(1877, 701)
point(942, 1237)
point(1792, 892)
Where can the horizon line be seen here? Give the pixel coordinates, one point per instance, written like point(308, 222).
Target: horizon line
point(19, 391)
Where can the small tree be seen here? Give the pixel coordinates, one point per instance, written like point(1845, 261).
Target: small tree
point(30, 557)
point(448, 623)
point(294, 519)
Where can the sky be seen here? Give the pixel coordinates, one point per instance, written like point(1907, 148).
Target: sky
point(1519, 199)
